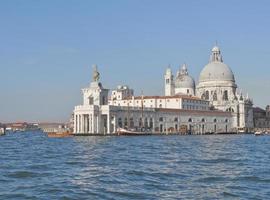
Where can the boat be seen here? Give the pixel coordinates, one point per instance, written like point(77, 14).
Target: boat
point(59, 134)
point(131, 131)
point(122, 131)
point(258, 133)
point(2, 131)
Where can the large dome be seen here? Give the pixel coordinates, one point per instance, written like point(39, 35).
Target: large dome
point(216, 70)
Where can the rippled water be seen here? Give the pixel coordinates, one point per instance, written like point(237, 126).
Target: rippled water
point(149, 167)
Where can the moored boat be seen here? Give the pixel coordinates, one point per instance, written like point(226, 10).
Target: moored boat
point(258, 133)
point(122, 131)
point(59, 134)
point(2, 131)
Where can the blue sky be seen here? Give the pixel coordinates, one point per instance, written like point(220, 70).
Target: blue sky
point(47, 48)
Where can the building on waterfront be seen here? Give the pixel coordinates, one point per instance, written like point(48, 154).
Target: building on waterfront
point(218, 86)
point(261, 118)
point(214, 105)
point(181, 106)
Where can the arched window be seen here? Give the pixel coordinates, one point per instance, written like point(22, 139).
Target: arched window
point(215, 96)
point(151, 123)
point(140, 122)
point(120, 122)
point(145, 123)
point(126, 122)
point(225, 95)
point(230, 109)
point(215, 120)
point(203, 120)
point(207, 95)
point(189, 120)
point(91, 100)
point(131, 122)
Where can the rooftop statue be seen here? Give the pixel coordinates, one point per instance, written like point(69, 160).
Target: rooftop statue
point(96, 74)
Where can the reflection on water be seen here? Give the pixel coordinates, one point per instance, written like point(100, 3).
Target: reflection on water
point(151, 167)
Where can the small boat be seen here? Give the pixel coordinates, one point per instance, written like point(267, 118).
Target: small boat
point(258, 133)
point(59, 134)
point(122, 131)
point(2, 131)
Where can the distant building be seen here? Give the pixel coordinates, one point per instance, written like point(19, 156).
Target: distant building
point(52, 127)
point(262, 117)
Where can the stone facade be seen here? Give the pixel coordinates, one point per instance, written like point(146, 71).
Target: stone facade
point(100, 114)
point(216, 85)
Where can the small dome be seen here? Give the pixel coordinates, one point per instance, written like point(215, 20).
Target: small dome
point(184, 81)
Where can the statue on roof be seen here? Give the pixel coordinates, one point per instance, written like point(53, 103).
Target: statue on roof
point(96, 75)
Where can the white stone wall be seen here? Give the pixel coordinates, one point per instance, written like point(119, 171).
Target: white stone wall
point(187, 91)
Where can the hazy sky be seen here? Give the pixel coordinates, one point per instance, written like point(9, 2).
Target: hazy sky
point(47, 48)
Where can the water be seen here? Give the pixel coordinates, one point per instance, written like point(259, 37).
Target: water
point(33, 166)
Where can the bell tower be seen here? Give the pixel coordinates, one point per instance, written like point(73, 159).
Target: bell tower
point(169, 82)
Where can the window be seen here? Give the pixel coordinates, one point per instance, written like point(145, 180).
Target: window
point(103, 100)
point(189, 120)
point(167, 81)
point(225, 95)
point(151, 123)
point(215, 96)
point(126, 122)
point(120, 122)
point(91, 100)
point(188, 91)
point(161, 119)
point(207, 95)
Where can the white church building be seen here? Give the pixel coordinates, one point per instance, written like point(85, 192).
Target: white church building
point(213, 106)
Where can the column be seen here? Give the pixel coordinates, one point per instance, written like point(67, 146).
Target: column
point(84, 123)
point(75, 124)
point(94, 123)
point(108, 124)
point(89, 122)
point(77, 120)
point(81, 124)
point(97, 124)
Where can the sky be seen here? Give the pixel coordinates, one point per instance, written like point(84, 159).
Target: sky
point(47, 48)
